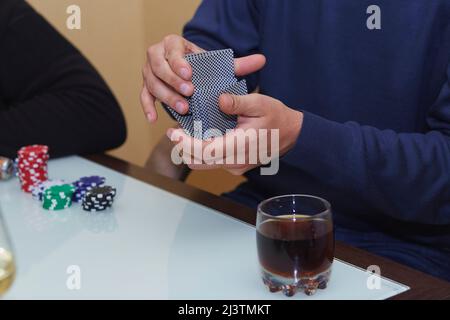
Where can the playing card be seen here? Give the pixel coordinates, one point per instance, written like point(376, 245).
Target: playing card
point(213, 74)
point(185, 120)
point(212, 68)
point(208, 113)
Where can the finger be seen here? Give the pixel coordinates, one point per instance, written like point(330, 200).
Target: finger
point(148, 105)
point(204, 167)
point(165, 94)
point(175, 49)
point(164, 71)
point(192, 47)
point(240, 171)
point(194, 149)
point(251, 105)
point(175, 134)
point(219, 152)
point(250, 64)
point(187, 144)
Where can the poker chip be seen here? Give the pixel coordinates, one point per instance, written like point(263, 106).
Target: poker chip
point(85, 184)
point(32, 166)
point(38, 190)
point(99, 199)
point(58, 197)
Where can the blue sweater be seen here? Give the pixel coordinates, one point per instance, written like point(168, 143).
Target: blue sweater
point(375, 140)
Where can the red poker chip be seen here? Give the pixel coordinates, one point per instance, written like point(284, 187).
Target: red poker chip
point(32, 161)
point(38, 176)
point(33, 150)
point(33, 155)
point(27, 168)
point(37, 160)
point(34, 178)
point(32, 170)
point(32, 166)
point(31, 176)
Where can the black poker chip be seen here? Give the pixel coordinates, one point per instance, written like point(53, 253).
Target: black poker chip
point(99, 198)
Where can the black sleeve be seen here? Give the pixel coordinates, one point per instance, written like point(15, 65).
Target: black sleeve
point(49, 93)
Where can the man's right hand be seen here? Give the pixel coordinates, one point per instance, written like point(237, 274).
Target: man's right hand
point(168, 76)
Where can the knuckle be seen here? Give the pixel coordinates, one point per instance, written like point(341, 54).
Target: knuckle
point(143, 96)
point(172, 100)
point(156, 64)
point(235, 102)
point(144, 72)
point(151, 51)
point(173, 81)
point(173, 60)
point(170, 37)
point(151, 87)
point(146, 97)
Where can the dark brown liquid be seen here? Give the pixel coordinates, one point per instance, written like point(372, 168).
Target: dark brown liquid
point(304, 248)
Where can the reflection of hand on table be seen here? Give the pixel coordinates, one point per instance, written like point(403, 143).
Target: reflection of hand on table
point(161, 162)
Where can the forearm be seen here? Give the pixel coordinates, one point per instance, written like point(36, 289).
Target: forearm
point(406, 176)
point(70, 122)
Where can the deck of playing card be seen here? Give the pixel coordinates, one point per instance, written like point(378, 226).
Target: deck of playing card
point(213, 75)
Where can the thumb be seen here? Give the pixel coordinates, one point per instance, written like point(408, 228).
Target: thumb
point(250, 64)
point(247, 106)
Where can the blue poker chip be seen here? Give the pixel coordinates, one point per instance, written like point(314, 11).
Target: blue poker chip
point(93, 181)
point(85, 184)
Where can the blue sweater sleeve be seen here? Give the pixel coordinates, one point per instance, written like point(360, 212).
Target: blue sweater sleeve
point(235, 24)
point(405, 175)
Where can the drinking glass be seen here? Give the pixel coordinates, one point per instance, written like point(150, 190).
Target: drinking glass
point(295, 242)
point(7, 266)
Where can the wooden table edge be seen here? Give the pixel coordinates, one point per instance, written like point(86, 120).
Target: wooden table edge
point(422, 286)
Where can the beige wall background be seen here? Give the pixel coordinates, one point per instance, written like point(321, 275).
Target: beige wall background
point(114, 36)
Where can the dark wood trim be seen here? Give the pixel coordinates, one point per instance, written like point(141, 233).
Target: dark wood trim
point(422, 286)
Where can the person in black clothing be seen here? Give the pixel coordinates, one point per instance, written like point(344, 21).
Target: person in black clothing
point(49, 93)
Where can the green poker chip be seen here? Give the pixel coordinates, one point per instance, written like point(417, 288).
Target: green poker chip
point(58, 197)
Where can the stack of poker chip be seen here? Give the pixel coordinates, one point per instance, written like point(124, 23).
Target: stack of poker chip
point(32, 166)
point(58, 197)
point(85, 184)
point(38, 190)
point(99, 199)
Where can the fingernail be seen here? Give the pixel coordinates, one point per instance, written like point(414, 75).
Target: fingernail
point(179, 107)
point(184, 72)
point(149, 117)
point(169, 133)
point(185, 89)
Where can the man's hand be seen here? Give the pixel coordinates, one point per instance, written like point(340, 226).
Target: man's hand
point(254, 111)
point(168, 76)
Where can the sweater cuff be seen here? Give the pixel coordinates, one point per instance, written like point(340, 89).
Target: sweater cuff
point(323, 147)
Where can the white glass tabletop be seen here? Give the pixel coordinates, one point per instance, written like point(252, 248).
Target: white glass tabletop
point(151, 245)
